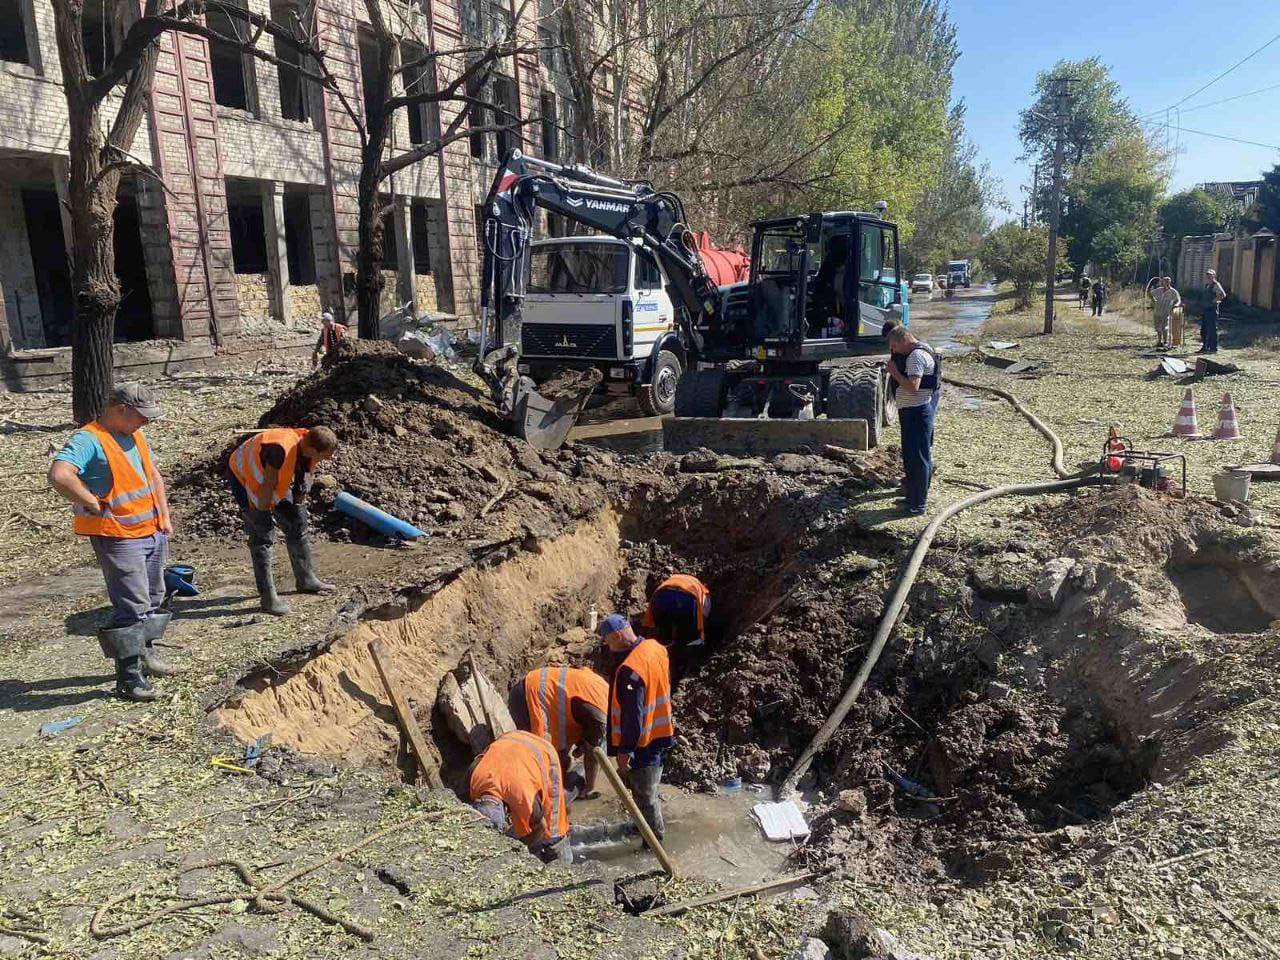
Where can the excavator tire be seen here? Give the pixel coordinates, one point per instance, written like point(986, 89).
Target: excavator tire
point(857, 393)
point(700, 393)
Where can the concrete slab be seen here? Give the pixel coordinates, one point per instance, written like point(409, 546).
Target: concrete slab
point(760, 437)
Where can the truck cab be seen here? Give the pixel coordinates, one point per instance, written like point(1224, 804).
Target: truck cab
point(602, 302)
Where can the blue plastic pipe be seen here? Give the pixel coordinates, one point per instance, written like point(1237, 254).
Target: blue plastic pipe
point(380, 520)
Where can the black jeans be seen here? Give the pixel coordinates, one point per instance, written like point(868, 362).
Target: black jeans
point(260, 525)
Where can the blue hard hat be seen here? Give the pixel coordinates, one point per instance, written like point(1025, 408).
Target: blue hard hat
point(612, 624)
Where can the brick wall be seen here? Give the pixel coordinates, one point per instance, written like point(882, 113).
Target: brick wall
point(253, 294)
point(304, 302)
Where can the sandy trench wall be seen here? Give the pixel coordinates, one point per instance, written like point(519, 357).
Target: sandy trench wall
point(510, 613)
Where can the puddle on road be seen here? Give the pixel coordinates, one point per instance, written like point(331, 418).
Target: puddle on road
point(710, 836)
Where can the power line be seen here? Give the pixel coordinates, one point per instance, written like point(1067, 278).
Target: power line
point(1216, 136)
point(1234, 66)
point(1215, 103)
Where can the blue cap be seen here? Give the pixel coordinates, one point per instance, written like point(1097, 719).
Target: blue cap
point(612, 624)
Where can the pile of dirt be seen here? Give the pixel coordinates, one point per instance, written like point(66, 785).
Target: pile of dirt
point(417, 440)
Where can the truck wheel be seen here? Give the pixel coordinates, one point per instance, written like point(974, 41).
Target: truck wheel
point(658, 397)
point(857, 393)
point(700, 393)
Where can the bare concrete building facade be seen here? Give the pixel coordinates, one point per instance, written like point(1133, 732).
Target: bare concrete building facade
point(250, 231)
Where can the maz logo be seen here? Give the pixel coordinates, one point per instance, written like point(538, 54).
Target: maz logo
point(565, 343)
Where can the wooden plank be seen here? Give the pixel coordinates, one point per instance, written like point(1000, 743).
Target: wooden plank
point(675, 909)
point(401, 706)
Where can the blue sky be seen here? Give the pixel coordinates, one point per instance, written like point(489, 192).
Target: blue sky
point(1158, 54)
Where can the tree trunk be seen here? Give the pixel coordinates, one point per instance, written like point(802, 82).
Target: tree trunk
point(369, 256)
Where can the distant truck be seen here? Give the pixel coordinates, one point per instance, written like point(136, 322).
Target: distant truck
point(958, 274)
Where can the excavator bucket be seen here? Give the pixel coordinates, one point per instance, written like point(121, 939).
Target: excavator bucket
point(541, 416)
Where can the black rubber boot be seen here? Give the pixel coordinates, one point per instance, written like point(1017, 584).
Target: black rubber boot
point(126, 646)
point(271, 602)
point(304, 572)
point(153, 629)
point(131, 682)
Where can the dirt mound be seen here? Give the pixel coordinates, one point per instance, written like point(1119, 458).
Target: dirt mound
point(417, 440)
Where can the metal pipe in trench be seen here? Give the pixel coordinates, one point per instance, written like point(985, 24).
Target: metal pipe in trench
point(912, 570)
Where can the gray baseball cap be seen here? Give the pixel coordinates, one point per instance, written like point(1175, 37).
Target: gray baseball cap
point(140, 397)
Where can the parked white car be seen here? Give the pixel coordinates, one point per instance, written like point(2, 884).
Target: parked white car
point(922, 283)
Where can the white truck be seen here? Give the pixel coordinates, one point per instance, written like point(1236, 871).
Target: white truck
point(602, 302)
point(958, 274)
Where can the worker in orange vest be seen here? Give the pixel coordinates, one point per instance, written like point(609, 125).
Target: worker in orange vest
point(641, 729)
point(270, 477)
point(332, 333)
point(518, 786)
point(566, 706)
point(119, 502)
point(678, 611)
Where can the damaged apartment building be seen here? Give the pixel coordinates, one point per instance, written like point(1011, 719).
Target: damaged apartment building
point(251, 230)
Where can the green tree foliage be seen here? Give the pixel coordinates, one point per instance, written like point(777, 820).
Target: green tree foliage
point(1191, 213)
point(880, 76)
point(1119, 186)
point(951, 219)
point(1114, 174)
point(1267, 213)
point(1017, 254)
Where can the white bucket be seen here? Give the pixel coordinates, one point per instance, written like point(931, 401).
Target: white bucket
point(1232, 485)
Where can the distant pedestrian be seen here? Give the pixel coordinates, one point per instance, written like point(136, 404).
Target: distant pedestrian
point(118, 500)
point(1164, 301)
point(1209, 319)
point(1099, 297)
point(917, 375)
point(1085, 287)
point(332, 333)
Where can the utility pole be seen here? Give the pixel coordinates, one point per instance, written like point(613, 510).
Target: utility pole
point(1055, 205)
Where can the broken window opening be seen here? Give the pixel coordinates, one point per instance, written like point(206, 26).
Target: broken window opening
point(299, 250)
point(550, 127)
point(390, 237)
point(424, 118)
point(296, 92)
point(231, 67)
point(371, 78)
point(16, 35)
point(100, 33)
point(420, 231)
point(248, 230)
point(504, 96)
point(51, 267)
point(477, 116)
point(133, 317)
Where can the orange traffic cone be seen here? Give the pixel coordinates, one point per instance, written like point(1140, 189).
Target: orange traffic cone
point(1227, 428)
point(1185, 425)
point(1275, 450)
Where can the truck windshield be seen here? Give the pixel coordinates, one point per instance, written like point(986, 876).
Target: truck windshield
point(578, 268)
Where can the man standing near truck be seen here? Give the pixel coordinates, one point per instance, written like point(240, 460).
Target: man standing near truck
point(917, 376)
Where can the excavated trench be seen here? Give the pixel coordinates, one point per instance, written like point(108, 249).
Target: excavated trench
point(978, 729)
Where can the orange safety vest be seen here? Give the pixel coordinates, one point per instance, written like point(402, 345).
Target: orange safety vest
point(690, 585)
point(649, 660)
point(550, 692)
point(518, 770)
point(246, 465)
point(131, 511)
point(329, 339)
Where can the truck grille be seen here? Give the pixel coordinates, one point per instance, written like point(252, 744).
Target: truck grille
point(568, 340)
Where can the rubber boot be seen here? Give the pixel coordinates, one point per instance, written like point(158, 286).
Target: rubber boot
point(271, 602)
point(304, 572)
point(126, 645)
point(153, 629)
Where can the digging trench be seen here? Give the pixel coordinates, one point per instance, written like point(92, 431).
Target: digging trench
point(949, 753)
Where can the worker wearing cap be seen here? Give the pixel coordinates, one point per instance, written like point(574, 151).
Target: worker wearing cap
point(1209, 319)
point(270, 477)
point(332, 333)
point(517, 784)
point(566, 706)
point(118, 501)
point(641, 728)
